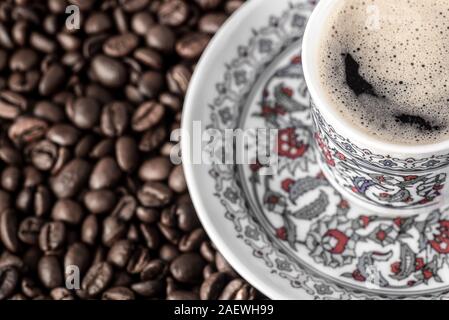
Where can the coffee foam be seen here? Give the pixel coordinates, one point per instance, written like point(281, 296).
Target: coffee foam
point(403, 56)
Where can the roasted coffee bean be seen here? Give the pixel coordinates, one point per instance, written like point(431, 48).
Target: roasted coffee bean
point(232, 5)
point(187, 268)
point(224, 266)
point(231, 289)
point(155, 169)
point(125, 208)
point(173, 12)
point(192, 45)
point(84, 112)
point(97, 279)
point(78, 256)
point(138, 260)
point(147, 215)
point(186, 216)
point(127, 153)
point(52, 80)
point(50, 273)
point(27, 129)
point(90, 230)
point(150, 84)
point(178, 79)
point(192, 242)
point(8, 230)
point(106, 174)
point(152, 139)
point(148, 289)
point(61, 294)
point(97, 22)
point(151, 236)
point(141, 22)
point(118, 293)
point(161, 38)
point(10, 178)
point(154, 269)
point(113, 230)
point(213, 286)
point(147, 115)
point(44, 155)
point(52, 236)
point(63, 135)
point(114, 119)
point(9, 278)
point(120, 45)
point(68, 211)
point(102, 149)
point(48, 111)
point(154, 195)
point(109, 71)
point(120, 253)
point(210, 23)
point(30, 288)
point(72, 177)
point(176, 180)
point(208, 4)
point(183, 295)
point(149, 57)
point(169, 252)
point(207, 252)
point(29, 230)
point(100, 201)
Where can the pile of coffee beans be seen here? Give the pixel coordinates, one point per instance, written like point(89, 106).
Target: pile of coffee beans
point(91, 207)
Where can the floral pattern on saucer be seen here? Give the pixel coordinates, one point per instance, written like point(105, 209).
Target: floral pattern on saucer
point(295, 222)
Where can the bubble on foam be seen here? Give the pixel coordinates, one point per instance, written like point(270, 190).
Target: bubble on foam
point(406, 61)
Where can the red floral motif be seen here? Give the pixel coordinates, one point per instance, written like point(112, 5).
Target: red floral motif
point(296, 60)
point(268, 111)
point(419, 264)
point(287, 91)
point(395, 267)
point(357, 276)
point(354, 189)
point(381, 235)
point(409, 178)
point(365, 220)
point(342, 241)
point(272, 200)
point(281, 233)
point(325, 150)
point(254, 167)
point(398, 222)
point(286, 184)
point(427, 274)
point(289, 146)
point(340, 156)
point(343, 204)
point(441, 241)
point(438, 187)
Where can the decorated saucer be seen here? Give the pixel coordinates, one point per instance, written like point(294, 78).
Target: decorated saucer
point(291, 234)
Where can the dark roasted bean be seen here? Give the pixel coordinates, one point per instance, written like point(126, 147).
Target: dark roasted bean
point(68, 211)
point(213, 286)
point(154, 195)
point(97, 278)
point(8, 230)
point(72, 177)
point(50, 272)
point(9, 278)
point(187, 268)
point(118, 293)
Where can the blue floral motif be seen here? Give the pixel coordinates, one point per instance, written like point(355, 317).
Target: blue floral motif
point(389, 163)
point(240, 77)
point(231, 195)
point(252, 233)
point(265, 45)
point(225, 115)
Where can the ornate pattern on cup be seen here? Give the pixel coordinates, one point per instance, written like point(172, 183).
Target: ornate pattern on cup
point(379, 180)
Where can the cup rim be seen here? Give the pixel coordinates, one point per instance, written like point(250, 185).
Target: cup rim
point(342, 126)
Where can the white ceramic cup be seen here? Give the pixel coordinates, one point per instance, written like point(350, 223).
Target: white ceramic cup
point(385, 178)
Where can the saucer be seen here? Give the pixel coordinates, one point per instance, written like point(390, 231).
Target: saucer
point(291, 234)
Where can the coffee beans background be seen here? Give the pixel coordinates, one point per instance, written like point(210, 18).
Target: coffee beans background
point(85, 178)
